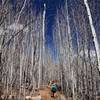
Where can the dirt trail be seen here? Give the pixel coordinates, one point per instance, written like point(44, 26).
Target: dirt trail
point(45, 94)
point(63, 97)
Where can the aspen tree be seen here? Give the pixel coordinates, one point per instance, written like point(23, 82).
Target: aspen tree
point(93, 32)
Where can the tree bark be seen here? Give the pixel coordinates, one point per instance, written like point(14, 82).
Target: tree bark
point(93, 32)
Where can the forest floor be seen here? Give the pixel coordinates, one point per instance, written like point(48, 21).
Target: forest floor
point(46, 95)
point(43, 93)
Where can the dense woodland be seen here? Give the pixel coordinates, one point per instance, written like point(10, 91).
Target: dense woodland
point(27, 61)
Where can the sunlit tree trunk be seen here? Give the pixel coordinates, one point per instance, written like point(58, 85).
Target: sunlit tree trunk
point(70, 54)
point(43, 30)
point(78, 49)
point(93, 33)
point(42, 49)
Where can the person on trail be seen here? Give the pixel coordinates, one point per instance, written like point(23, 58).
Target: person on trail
point(53, 89)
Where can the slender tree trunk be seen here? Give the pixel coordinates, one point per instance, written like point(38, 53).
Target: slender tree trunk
point(42, 49)
point(93, 33)
point(0, 49)
point(43, 30)
point(70, 54)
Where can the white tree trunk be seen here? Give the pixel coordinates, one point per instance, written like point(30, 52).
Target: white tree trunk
point(70, 53)
point(42, 48)
point(73, 84)
point(44, 14)
point(21, 66)
point(44, 30)
point(93, 32)
point(69, 40)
